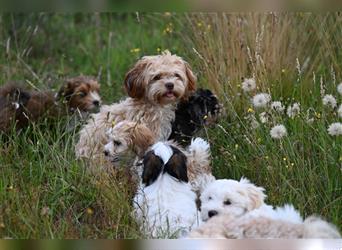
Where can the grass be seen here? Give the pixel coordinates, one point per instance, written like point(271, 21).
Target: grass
point(46, 193)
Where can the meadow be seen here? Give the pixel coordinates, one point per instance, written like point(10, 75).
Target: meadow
point(291, 57)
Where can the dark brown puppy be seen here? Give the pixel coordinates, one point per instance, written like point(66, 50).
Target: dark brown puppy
point(80, 93)
point(12, 102)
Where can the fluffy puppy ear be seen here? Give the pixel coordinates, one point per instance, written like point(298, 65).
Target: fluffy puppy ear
point(255, 194)
point(192, 80)
point(134, 79)
point(152, 168)
point(142, 138)
point(67, 90)
point(176, 166)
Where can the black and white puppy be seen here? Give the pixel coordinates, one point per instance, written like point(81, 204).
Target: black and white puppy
point(165, 205)
point(201, 109)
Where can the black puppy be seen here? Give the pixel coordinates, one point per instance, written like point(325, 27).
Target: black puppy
point(202, 109)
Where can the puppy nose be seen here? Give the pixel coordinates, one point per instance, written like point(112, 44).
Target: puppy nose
point(96, 103)
point(106, 153)
point(212, 213)
point(169, 85)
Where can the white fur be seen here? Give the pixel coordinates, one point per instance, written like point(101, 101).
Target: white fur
point(163, 151)
point(95, 96)
point(167, 207)
point(247, 216)
point(199, 144)
point(199, 164)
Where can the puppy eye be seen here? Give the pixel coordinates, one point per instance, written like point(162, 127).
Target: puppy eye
point(178, 76)
point(210, 198)
point(227, 202)
point(157, 77)
point(117, 143)
point(82, 94)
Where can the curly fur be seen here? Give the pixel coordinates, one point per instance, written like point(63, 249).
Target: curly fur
point(130, 140)
point(202, 109)
point(154, 86)
point(78, 93)
point(249, 227)
point(236, 210)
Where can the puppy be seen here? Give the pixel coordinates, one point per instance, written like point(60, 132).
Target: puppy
point(128, 141)
point(236, 210)
point(154, 85)
point(78, 93)
point(202, 109)
point(165, 204)
point(13, 100)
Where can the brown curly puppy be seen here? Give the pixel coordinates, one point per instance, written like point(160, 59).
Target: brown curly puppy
point(19, 107)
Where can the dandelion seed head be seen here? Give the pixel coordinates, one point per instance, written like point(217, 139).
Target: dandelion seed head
point(263, 117)
point(293, 110)
point(330, 101)
point(261, 100)
point(339, 111)
point(248, 85)
point(278, 131)
point(253, 121)
point(339, 88)
point(277, 106)
point(335, 129)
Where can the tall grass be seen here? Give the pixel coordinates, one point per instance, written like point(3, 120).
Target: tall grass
point(295, 57)
point(46, 193)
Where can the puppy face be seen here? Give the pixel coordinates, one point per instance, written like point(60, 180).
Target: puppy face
point(230, 197)
point(161, 79)
point(81, 93)
point(126, 137)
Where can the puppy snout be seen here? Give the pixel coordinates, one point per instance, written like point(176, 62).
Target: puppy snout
point(96, 103)
point(169, 85)
point(106, 152)
point(212, 213)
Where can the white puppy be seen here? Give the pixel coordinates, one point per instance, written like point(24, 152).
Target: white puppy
point(236, 209)
point(165, 205)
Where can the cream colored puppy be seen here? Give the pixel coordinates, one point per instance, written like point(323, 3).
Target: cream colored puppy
point(154, 85)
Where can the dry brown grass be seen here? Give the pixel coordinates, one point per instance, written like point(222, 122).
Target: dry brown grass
point(267, 46)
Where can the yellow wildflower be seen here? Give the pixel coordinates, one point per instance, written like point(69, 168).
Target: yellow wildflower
point(250, 110)
point(135, 50)
point(90, 211)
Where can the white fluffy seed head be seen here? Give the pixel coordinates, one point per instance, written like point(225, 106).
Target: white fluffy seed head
point(339, 111)
point(277, 106)
point(293, 110)
point(261, 100)
point(330, 101)
point(263, 117)
point(335, 129)
point(248, 85)
point(339, 88)
point(278, 131)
